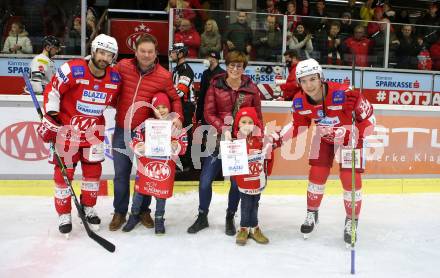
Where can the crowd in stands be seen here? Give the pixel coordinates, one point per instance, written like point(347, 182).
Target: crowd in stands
point(311, 30)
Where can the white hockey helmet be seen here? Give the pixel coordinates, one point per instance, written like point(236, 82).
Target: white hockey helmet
point(107, 43)
point(308, 67)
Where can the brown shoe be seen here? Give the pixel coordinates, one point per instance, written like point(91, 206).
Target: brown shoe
point(146, 220)
point(257, 235)
point(242, 236)
point(117, 221)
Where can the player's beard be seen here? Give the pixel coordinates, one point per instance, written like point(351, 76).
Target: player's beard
point(101, 64)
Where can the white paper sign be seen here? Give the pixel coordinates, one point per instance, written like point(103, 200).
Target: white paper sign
point(234, 157)
point(157, 138)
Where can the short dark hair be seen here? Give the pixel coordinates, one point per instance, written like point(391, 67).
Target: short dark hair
point(292, 53)
point(146, 38)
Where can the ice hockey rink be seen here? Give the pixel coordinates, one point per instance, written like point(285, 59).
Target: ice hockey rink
point(398, 237)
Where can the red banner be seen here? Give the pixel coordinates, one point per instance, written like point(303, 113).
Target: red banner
point(127, 32)
point(155, 177)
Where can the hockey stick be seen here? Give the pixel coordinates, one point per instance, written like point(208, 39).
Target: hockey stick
point(102, 241)
point(353, 176)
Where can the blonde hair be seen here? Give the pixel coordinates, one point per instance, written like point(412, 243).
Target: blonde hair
point(214, 26)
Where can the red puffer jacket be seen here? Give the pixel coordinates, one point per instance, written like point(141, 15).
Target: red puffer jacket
point(220, 100)
point(137, 88)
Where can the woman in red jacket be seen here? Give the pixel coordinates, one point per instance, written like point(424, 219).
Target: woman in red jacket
point(227, 93)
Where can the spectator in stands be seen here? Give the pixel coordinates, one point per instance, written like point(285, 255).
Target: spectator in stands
point(211, 39)
point(271, 8)
point(304, 8)
point(407, 49)
point(435, 55)
point(379, 39)
point(373, 27)
point(389, 12)
point(347, 26)
point(367, 11)
point(291, 87)
point(430, 34)
point(403, 17)
point(189, 37)
point(317, 24)
point(329, 45)
point(292, 17)
point(268, 42)
point(301, 41)
point(18, 41)
point(352, 9)
point(90, 24)
point(183, 10)
point(75, 37)
point(238, 35)
point(358, 45)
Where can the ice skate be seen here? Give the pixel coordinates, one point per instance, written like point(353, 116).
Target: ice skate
point(309, 223)
point(65, 224)
point(92, 218)
point(347, 231)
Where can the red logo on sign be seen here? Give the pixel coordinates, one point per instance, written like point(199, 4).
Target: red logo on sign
point(255, 168)
point(416, 84)
point(21, 141)
point(83, 122)
point(157, 170)
point(133, 38)
point(347, 81)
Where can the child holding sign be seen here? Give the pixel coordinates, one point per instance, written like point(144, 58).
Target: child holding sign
point(248, 126)
point(155, 174)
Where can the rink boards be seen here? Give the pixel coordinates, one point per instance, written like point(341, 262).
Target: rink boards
point(403, 155)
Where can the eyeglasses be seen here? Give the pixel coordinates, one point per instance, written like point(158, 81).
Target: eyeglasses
point(235, 66)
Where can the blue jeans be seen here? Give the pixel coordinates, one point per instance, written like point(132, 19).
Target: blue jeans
point(122, 163)
point(249, 210)
point(210, 169)
point(140, 200)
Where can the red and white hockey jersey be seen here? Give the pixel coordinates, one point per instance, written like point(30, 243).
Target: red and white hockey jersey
point(80, 100)
point(332, 119)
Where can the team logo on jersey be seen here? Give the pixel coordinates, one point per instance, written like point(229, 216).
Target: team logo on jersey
point(114, 77)
point(157, 170)
point(298, 104)
point(90, 109)
point(338, 97)
point(95, 87)
point(94, 96)
point(83, 122)
point(78, 71)
point(320, 113)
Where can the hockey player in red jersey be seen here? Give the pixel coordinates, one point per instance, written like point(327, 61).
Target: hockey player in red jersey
point(74, 103)
point(330, 105)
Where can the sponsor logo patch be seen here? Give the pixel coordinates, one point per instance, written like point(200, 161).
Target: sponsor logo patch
point(111, 86)
point(78, 71)
point(90, 109)
point(298, 104)
point(94, 96)
point(338, 97)
point(114, 77)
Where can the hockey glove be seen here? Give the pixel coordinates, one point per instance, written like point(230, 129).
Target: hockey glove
point(351, 99)
point(48, 128)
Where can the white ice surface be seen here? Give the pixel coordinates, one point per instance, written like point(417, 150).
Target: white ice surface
point(399, 236)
